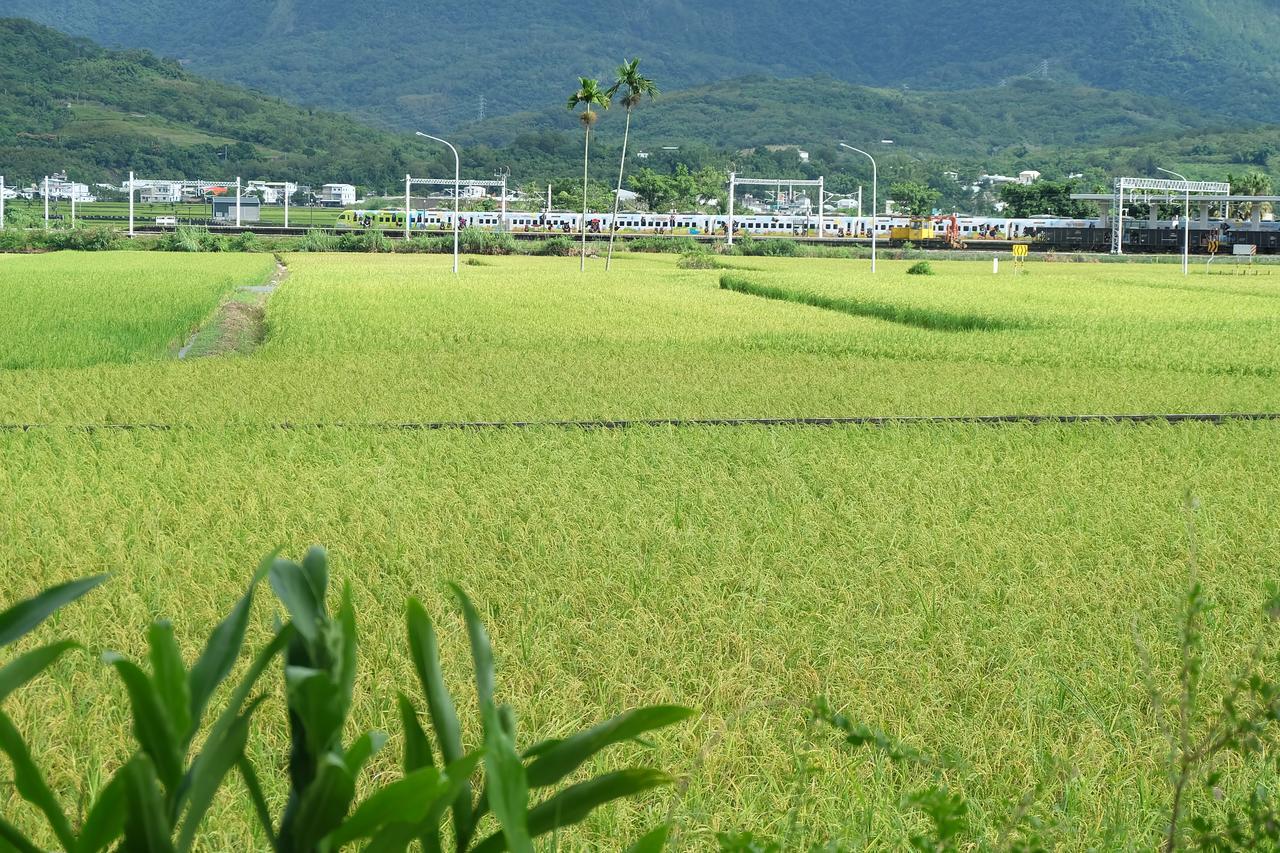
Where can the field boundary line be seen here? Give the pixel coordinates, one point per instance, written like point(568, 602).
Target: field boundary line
point(1215, 418)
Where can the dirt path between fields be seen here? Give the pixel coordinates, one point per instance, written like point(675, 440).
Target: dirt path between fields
point(240, 323)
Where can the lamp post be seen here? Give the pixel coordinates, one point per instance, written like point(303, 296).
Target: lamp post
point(875, 186)
point(1186, 222)
point(457, 184)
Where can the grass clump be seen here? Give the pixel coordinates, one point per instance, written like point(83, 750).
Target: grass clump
point(920, 268)
point(699, 261)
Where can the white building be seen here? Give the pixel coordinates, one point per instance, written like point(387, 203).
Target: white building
point(472, 193)
point(337, 195)
point(275, 194)
point(161, 192)
point(59, 188)
point(1029, 177)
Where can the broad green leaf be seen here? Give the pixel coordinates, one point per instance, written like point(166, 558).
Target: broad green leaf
point(505, 782)
point(105, 822)
point(30, 784)
point(223, 754)
point(417, 749)
point(393, 838)
point(170, 678)
point(145, 827)
point(324, 803)
point(559, 760)
point(653, 841)
point(406, 799)
point(365, 747)
point(259, 800)
point(317, 702)
point(24, 616)
point(25, 667)
point(425, 651)
point(315, 565)
point(222, 648)
point(205, 763)
point(294, 589)
point(575, 803)
point(151, 725)
point(347, 668)
point(9, 835)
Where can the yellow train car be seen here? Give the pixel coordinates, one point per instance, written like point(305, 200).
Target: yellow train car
point(917, 230)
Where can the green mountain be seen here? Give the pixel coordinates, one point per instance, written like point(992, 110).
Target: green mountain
point(409, 64)
point(68, 104)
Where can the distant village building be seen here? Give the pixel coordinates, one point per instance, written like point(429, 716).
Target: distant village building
point(59, 188)
point(224, 209)
point(273, 194)
point(1029, 177)
point(163, 192)
point(337, 195)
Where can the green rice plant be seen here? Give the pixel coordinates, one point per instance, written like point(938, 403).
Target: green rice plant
point(924, 318)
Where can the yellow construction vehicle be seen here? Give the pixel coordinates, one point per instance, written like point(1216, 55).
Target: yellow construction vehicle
point(918, 229)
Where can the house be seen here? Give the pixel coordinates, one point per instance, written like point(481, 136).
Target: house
point(273, 193)
point(1029, 177)
point(59, 188)
point(224, 209)
point(161, 192)
point(337, 195)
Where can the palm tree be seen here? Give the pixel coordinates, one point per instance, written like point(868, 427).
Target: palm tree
point(589, 95)
point(637, 86)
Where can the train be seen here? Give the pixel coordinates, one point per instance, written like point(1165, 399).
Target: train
point(948, 231)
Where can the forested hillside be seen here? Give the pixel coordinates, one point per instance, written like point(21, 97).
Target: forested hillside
point(405, 63)
point(68, 104)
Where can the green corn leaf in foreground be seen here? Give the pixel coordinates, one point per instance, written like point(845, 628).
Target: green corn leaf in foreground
point(30, 784)
point(505, 782)
point(653, 841)
point(169, 676)
point(575, 803)
point(558, 759)
point(207, 765)
point(222, 649)
point(25, 667)
point(425, 650)
point(26, 615)
point(105, 822)
point(324, 803)
point(151, 726)
point(295, 588)
point(145, 828)
point(9, 835)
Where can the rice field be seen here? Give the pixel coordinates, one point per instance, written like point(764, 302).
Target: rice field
point(973, 590)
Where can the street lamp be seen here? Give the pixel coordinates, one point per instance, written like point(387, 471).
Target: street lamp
point(457, 183)
point(875, 181)
point(1186, 222)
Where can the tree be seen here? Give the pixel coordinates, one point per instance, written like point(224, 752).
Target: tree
point(1251, 183)
point(917, 198)
point(1043, 198)
point(653, 189)
point(637, 86)
point(589, 95)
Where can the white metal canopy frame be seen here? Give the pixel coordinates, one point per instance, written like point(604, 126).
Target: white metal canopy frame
point(777, 183)
point(1148, 187)
point(410, 182)
point(199, 186)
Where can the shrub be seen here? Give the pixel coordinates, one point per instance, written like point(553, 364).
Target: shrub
point(159, 798)
point(920, 268)
point(699, 261)
point(247, 241)
point(776, 248)
point(317, 241)
point(558, 246)
point(476, 241)
point(674, 245)
point(182, 239)
point(364, 241)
